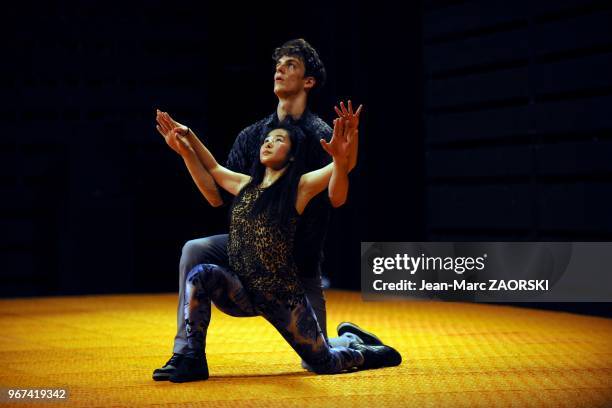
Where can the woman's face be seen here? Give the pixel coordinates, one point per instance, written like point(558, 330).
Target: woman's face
point(274, 151)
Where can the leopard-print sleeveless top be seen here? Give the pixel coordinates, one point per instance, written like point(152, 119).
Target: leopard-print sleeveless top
point(260, 252)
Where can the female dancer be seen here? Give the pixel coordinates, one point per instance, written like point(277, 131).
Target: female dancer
point(262, 280)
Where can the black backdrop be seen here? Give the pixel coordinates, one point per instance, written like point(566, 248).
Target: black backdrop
point(483, 121)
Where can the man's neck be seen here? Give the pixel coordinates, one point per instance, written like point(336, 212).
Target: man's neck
point(293, 106)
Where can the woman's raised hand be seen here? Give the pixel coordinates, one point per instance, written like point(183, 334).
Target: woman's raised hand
point(343, 137)
point(167, 127)
point(179, 139)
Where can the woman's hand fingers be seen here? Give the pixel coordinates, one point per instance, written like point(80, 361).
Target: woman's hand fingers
point(167, 121)
point(352, 136)
point(326, 147)
point(335, 132)
point(161, 132)
point(180, 130)
point(340, 127)
point(163, 122)
point(160, 121)
point(180, 134)
point(171, 121)
point(179, 142)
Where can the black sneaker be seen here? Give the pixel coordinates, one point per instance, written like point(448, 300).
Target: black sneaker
point(367, 337)
point(164, 373)
point(191, 369)
point(378, 356)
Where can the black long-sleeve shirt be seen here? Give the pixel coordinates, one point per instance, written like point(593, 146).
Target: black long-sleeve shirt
point(313, 223)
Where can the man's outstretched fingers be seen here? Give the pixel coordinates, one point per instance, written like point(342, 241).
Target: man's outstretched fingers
point(338, 112)
point(358, 110)
point(343, 108)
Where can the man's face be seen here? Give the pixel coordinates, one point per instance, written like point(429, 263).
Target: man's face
point(289, 77)
point(275, 149)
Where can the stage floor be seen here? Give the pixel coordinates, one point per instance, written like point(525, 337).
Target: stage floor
point(103, 349)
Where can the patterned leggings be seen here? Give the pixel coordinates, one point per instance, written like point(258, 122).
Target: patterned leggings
point(297, 324)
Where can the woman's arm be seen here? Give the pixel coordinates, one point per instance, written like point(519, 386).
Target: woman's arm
point(231, 181)
point(182, 140)
point(333, 176)
point(202, 178)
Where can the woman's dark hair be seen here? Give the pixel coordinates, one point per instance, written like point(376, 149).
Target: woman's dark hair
point(301, 49)
point(278, 200)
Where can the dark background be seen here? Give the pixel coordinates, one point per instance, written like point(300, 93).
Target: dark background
point(484, 121)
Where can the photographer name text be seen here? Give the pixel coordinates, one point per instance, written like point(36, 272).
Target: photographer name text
point(455, 285)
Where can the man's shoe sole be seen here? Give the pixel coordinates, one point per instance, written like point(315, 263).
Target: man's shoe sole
point(161, 376)
point(367, 337)
point(188, 379)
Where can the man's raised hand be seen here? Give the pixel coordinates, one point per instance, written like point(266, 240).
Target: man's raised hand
point(351, 118)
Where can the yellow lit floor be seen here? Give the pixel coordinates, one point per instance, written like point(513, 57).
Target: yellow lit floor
point(103, 349)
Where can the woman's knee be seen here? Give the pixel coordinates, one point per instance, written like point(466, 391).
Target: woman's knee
point(206, 277)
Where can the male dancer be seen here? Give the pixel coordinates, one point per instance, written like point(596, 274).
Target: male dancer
point(299, 71)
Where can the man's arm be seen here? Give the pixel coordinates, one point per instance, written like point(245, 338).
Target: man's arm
point(338, 187)
point(353, 122)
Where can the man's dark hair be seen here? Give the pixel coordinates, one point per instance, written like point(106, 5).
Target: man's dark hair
point(301, 49)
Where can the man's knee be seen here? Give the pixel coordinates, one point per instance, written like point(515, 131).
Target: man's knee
point(211, 249)
point(315, 296)
point(193, 249)
point(197, 251)
point(314, 292)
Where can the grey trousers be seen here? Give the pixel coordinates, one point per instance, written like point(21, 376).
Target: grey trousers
point(213, 250)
